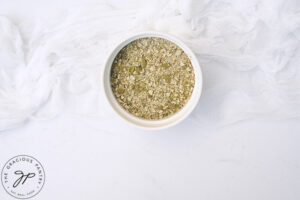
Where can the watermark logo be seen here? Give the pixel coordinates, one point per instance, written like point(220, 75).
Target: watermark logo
point(23, 177)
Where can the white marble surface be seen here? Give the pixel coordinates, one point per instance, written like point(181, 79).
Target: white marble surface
point(250, 151)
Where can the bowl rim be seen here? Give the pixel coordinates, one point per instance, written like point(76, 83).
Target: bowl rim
point(171, 120)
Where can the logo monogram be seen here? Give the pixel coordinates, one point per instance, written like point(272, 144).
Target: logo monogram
point(18, 181)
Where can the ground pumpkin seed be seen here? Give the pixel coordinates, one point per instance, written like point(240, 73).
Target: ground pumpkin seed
point(152, 78)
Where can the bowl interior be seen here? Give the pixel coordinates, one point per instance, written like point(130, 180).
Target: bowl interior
point(165, 122)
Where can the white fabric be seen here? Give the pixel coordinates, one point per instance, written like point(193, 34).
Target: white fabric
point(248, 50)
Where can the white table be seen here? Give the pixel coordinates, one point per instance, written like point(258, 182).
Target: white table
point(248, 160)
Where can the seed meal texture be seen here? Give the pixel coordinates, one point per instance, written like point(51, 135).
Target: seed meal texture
point(152, 78)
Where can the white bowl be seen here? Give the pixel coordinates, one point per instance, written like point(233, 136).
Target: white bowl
point(165, 122)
